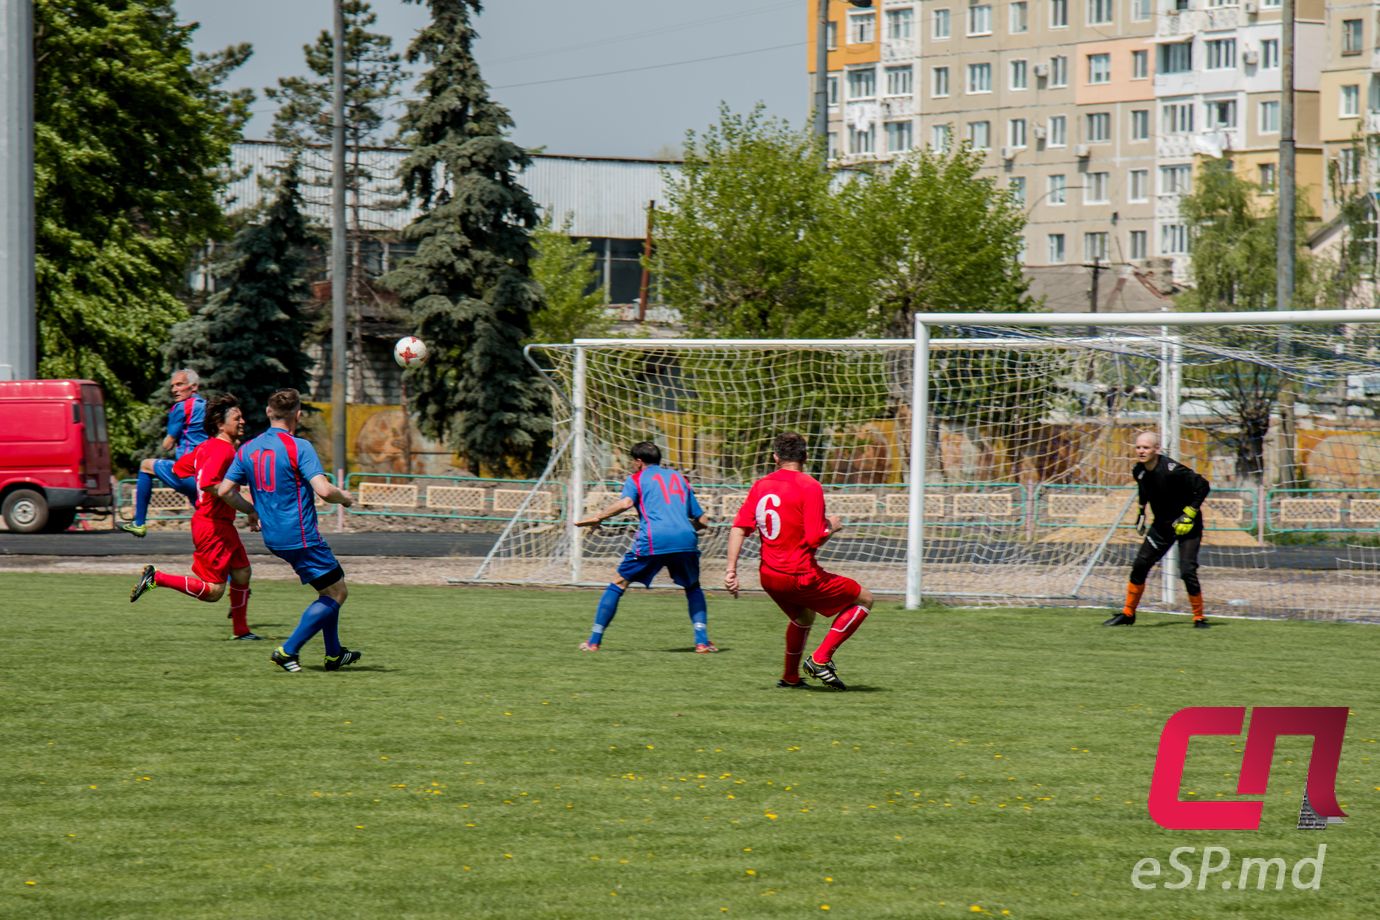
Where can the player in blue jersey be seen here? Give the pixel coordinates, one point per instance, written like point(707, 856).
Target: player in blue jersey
point(186, 429)
point(669, 518)
point(285, 477)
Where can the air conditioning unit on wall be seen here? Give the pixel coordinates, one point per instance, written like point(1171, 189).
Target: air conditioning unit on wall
point(1042, 70)
point(1039, 132)
point(1008, 153)
point(1082, 151)
point(1250, 56)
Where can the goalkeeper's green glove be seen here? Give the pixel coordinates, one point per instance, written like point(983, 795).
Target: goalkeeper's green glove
point(1185, 522)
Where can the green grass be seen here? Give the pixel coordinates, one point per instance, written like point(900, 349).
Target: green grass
point(476, 765)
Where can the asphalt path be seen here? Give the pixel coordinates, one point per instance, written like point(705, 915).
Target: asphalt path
point(179, 542)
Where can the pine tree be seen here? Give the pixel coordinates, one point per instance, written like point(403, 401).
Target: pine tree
point(248, 338)
point(470, 286)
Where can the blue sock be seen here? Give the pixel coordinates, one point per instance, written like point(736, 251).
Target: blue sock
point(608, 606)
point(330, 632)
point(699, 614)
point(142, 491)
point(318, 613)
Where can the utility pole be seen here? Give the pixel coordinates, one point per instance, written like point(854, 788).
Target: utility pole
point(1284, 240)
point(338, 276)
point(18, 322)
point(821, 119)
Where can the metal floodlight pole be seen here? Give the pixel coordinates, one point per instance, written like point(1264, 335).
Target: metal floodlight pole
point(1284, 236)
point(822, 76)
point(338, 280)
point(18, 323)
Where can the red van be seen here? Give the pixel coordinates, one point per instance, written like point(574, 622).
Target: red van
point(54, 453)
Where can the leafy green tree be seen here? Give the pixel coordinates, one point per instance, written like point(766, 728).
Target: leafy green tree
point(574, 300)
point(130, 132)
point(249, 337)
point(736, 242)
point(469, 285)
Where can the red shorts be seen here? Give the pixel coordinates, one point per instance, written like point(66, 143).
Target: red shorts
point(823, 592)
point(217, 550)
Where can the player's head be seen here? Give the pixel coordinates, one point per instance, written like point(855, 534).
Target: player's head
point(647, 452)
point(1147, 446)
point(285, 406)
point(789, 447)
point(184, 383)
point(223, 416)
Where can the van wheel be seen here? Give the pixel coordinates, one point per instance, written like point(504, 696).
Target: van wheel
point(25, 511)
point(59, 519)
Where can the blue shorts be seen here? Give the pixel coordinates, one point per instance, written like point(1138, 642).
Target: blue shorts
point(684, 568)
point(313, 564)
point(163, 471)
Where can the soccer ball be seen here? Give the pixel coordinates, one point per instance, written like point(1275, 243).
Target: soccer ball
point(410, 352)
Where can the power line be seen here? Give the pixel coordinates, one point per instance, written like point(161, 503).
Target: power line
point(611, 73)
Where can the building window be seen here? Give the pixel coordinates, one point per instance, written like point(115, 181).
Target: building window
point(1140, 10)
point(1015, 132)
point(1059, 72)
point(862, 28)
point(1140, 244)
point(1221, 113)
point(1058, 190)
point(1017, 186)
point(1139, 185)
point(900, 81)
point(1269, 4)
point(900, 25)
point(1019, 17)
point(862, 141)
point(1058, 14)
point(1268, 179)
point(1351, 36)
point(940, 28)
point(1177, 118)
point(1176, 180)
point(979, 78)
point(862, 84)
point(1173, 240)
point(831, 35)
point(1269, 54)
point(1056, 248)
point(1373, 102)
point(980, 19)
point(1099, 127)
point(1351, 100)
point(1058, 131)
point(1140, 65)
point(1221, 53)
point(900, 136)
point(833, 85)
point(1095, 247)
point(1096, 189)
point(1269, 117)
point(1348, 165)
point(1019, 78)
point(1099, 11)
point(940, 136)
point(1099, 68)
point(980, 134)
point(1140, 124)
point(1176, 58)
point(939, 82)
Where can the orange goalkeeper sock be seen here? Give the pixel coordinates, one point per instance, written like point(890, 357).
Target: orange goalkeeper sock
point(1133, 593)
point(1196, 602)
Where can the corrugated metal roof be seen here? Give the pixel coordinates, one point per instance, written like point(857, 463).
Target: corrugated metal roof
point(605, 197)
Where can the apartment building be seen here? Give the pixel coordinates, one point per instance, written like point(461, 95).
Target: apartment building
point(1349, 103)
point(1094, 112)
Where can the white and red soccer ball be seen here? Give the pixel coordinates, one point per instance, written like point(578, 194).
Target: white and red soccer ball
point(410, 352)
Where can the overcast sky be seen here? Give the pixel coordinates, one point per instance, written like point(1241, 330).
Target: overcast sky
point(544, 58)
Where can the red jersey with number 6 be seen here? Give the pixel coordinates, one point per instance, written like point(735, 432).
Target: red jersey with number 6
point(787, 511)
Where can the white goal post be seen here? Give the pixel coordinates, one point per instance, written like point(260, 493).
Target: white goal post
point(986, 459)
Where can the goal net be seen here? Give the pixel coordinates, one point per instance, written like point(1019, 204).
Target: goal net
point(1000, 474)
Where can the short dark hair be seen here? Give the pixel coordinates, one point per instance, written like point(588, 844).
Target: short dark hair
point(789, 446)
point(216, 411)
point(647, 452)
point(284, 403)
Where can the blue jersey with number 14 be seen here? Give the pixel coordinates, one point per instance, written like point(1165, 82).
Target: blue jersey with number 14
point(278, 469)
point(666, 504)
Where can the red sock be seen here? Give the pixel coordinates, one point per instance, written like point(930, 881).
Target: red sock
point(192, 587)
point(795, 648)
point(239, 609)
point(845, 624)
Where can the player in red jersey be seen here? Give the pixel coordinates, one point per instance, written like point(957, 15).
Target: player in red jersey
point(787, 510)
point(218, 550)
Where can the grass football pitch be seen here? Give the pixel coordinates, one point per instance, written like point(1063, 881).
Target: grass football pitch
point(474, 764)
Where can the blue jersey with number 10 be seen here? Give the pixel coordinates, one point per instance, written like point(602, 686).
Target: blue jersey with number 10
point(278, 469)
point(666, 505)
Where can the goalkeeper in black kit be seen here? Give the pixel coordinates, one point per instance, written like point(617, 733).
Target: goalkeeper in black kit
point(1175, 495)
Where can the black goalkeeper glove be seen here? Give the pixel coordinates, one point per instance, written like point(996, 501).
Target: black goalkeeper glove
point(1140, 521)
point(1186, 521)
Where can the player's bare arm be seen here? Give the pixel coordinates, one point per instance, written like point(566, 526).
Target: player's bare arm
point(835, 524)
point(594, 520)
point(229, 493)
point(328, 492)
point(736, 538)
